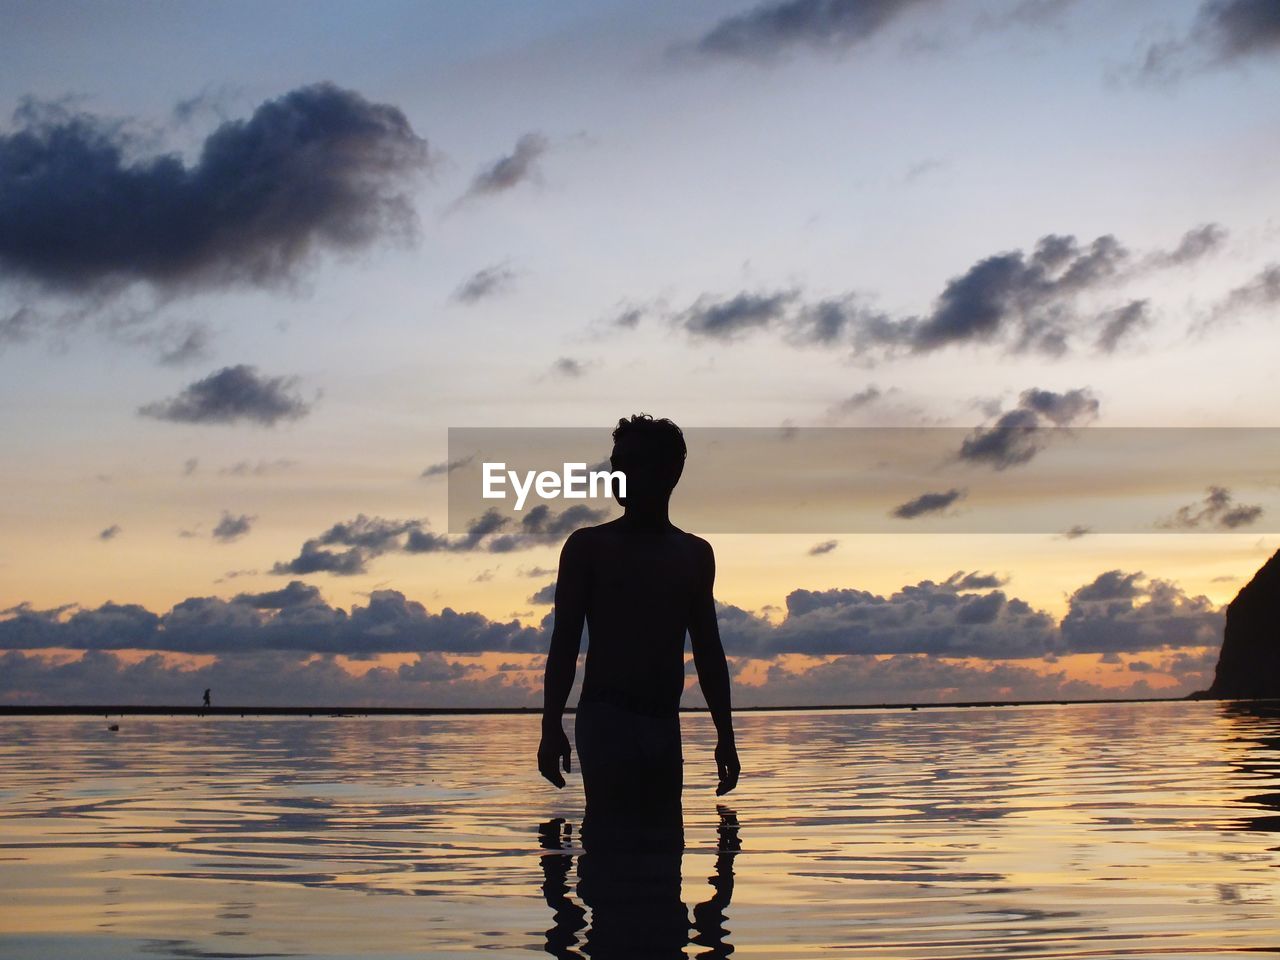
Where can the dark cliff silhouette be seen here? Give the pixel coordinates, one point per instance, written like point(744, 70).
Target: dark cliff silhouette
point(1249, 664)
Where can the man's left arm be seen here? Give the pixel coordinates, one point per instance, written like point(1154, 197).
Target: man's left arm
point(713, 671)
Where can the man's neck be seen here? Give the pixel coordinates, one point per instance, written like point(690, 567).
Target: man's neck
point(651, 517)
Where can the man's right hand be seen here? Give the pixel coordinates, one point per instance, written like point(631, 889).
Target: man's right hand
point(727, 765)
point(553, 752)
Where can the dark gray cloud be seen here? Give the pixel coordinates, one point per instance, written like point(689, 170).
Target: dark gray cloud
point(927, 503)
point(110, 533)
point(1217, 510)
point(319, 167)
point(294, 594)
point(1075, 532)
point(770, 29)
point(726, 319)
point(512, 169)
point(345, 549)
point(939, 619)
point(1121, 322)
point(1060, 409)
point(1259, 292)
point(232, 527)
point(545, 595)
point(484, 283)
point(965, 616)
point(1223, 32)
point(973, 580)
point(837, 321)
point(921, 641)
point(826, 546)
point(313, 558)
point(1124, 612)
point(1021, 433)
point(1028, 293)
point(233, 395)
point(540, 527)
point(1196, 243)
point(1042, 301)
point(445, 467)
point(267, 677)
point(863, 398)
point(295, 618)
point(629, 318)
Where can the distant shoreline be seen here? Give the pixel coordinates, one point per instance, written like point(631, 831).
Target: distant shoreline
point(122, 710)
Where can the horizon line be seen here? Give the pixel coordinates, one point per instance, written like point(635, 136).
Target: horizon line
point(107, 710)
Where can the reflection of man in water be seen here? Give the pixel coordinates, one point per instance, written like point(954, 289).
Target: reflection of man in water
point(640, 583)
point(634, 899)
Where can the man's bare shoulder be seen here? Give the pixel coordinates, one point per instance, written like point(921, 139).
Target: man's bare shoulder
point(692, 539)
point(585, 537)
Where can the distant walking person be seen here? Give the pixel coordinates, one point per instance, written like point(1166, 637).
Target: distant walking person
point(640, 583)
point(206, 696)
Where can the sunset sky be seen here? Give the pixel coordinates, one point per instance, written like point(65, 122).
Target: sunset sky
point(256, 259)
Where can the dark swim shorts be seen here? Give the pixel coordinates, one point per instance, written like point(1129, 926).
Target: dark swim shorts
point(631, 762)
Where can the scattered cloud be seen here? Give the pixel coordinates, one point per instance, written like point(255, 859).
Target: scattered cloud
point(767, 31)
point(927, 503)
point(485, 283)
point(726, 319)
point(567, 368)
point(1223, 33)
point(1119, 323)
point(858, 401)
point(1196, 243)
point(1261, 292)
point(826, 546)
point(1021, 433)
point(1046, 301)
point(1217, 510)
point(959, 639)
point(545, 595)
point(87, 214)
point(445, 467)
point(258, 468)
point(233, 395)
point(629, 318)
point(345, 549)
point(110, 533)
point(232, 527)
point(508, 171)
point(1125, 612)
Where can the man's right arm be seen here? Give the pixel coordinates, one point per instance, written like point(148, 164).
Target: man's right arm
point(713, 671)
point(562, 658)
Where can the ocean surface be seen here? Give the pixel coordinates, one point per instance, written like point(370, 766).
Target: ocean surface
point(1048, 831)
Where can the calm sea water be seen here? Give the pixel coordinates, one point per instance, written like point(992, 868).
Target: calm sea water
point(1077, 831)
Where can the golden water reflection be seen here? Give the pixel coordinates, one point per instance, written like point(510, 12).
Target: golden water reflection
point(1076, 831)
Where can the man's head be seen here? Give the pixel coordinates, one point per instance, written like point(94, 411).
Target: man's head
point(651, 453)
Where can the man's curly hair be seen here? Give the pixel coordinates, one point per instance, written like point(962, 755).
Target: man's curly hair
point(662, 435)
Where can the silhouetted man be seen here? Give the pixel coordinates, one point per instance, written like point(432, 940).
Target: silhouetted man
point(640, 583)
point(206, 696)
